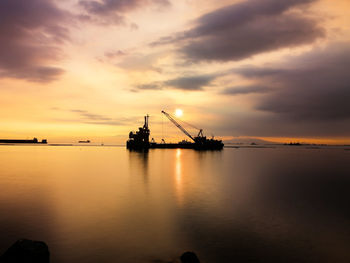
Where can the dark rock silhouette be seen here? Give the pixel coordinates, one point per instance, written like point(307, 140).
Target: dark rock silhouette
point(26, 251)
point(30, 251)
point(189, 257)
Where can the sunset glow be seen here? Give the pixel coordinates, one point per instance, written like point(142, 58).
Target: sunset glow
point(87, 69)
point(174, 131)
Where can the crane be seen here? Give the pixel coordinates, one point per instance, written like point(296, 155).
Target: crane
point(200, 134)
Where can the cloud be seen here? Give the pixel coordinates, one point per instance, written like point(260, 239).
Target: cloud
point(114, 54)
point(308, 97)
point(245, 29)
point(189, 83)
point(154, 86)
point(137, 61)
point(242, 90)
point(91, 116)
point(312, 87)
point(240, 122)
point(30, 35)
point(113, 11)
point(98, 119)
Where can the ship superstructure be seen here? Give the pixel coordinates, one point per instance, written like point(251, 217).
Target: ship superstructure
point(140, 138)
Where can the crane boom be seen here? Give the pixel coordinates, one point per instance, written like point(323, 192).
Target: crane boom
point(177, 125)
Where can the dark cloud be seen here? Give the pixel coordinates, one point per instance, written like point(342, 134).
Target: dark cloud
point(113, 11)
point(308, 97)
point(153, 86)
point(190, 83)
point(268, 124)
point(30, 34)
point(315, 86)
point(245, 29)
point(241, 90)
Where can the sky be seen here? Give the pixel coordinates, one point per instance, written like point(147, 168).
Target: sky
point(91, 69)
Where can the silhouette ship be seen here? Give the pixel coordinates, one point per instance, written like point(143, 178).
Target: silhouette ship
point(35, 140)
point(293, 144)
point(87, 141)
point(139, 140)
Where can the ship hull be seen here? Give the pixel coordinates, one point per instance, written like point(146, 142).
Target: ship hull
point(186, 146)
point(22, 141)
point(132, 146)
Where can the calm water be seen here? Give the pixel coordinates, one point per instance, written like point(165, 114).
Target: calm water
point(105, 204)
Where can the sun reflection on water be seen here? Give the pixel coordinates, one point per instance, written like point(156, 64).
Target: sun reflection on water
point(178, 177)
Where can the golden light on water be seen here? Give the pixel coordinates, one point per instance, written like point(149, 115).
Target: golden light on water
point(178, 177)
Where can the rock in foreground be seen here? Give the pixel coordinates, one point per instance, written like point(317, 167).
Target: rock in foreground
point(26, 251)
point(189, 257)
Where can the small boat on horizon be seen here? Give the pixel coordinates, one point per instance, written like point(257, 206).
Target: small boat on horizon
point(87, 141)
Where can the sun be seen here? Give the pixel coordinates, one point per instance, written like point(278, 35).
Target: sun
point(178, 112)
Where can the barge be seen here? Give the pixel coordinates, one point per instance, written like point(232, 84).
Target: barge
point(35, 140)
point(139, 140)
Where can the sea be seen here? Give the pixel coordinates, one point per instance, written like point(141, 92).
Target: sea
point(93, 203)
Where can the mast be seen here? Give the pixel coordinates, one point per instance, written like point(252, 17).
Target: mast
point(145, 126)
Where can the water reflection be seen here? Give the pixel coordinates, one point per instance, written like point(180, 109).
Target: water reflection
point(106, 204)
point(270, 210)
point(138, 163)
point(26, 197)
point(178, 178)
